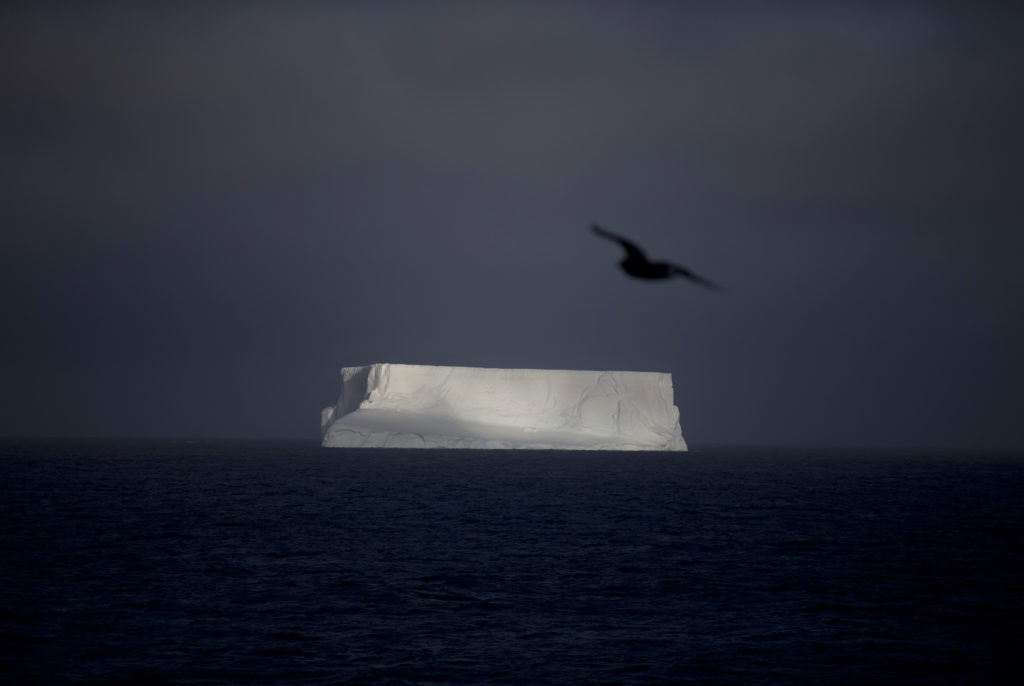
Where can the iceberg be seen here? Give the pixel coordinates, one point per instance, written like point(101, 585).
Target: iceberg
point(419, 406)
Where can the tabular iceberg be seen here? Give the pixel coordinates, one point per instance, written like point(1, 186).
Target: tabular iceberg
point(419, 406)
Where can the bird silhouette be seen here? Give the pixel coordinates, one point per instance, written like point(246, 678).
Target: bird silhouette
point(637, 265)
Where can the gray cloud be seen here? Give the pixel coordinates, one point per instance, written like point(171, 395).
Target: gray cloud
point(223, 205)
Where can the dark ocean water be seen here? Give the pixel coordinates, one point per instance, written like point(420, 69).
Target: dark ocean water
point(277, 563)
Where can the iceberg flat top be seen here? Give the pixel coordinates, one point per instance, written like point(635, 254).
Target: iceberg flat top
point(421, 406)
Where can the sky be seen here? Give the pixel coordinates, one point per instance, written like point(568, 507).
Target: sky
point(210, 208)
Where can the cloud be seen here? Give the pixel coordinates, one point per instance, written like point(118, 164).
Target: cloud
point(218, 187)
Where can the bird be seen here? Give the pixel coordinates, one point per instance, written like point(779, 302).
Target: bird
point(637, 265)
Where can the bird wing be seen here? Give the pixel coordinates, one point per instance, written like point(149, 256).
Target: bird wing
point(631, 249)
point(686, 273)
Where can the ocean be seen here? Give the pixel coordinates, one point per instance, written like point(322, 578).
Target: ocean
point(164, 562)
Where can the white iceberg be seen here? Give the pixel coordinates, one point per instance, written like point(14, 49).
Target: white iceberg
point(419, 406)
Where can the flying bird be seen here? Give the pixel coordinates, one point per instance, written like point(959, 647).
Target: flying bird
point(636, 262)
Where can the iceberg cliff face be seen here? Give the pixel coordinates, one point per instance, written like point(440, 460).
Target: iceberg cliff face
point(417, 406)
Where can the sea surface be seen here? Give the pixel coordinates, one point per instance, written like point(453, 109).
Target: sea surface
point(164, 562)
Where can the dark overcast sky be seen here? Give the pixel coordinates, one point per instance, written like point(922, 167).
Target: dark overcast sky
point(210, 208)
